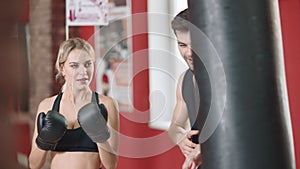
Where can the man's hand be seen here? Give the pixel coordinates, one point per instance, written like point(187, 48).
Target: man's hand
point(186, 145)
point(193, 160)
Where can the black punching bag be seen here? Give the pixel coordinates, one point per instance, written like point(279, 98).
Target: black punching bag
point(238, 59)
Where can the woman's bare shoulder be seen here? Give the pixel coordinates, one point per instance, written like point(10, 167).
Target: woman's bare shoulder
point(46, 104)
point(105, 99)
point(109, 102)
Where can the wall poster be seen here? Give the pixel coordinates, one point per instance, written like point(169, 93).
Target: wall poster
point(86, 12)
point(113, 52)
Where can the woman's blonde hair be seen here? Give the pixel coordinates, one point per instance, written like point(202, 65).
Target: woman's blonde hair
point(66, 47)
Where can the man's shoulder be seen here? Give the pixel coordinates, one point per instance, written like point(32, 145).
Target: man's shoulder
point(184, 73)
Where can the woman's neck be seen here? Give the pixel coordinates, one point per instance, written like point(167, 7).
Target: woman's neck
point(77, 96)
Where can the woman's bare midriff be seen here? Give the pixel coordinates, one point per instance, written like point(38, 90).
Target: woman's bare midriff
point(75, 160)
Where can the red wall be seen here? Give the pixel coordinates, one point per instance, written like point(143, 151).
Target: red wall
point(290, 23)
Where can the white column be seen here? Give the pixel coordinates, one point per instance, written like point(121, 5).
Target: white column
point(165, 63)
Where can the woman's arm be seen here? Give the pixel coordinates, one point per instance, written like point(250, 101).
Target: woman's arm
point(37, 156)
point(109, 149)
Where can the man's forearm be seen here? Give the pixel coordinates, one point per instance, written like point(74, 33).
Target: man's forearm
point(176, 133)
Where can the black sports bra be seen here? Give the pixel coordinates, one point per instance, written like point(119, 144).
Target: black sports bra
point(76, 139)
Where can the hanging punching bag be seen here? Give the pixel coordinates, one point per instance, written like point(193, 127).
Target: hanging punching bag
point(238, 59)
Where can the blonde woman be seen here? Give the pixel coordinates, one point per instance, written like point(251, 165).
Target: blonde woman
point(77, 126)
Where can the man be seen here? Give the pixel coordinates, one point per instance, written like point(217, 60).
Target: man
point(181, 131)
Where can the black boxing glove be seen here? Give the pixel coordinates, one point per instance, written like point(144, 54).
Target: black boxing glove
point(51, 128)
point(93, 123)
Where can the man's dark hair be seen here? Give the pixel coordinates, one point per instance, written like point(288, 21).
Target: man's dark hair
point(181, 21)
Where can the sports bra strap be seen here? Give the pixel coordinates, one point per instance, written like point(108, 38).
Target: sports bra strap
point(95, 97)
point(56, 104)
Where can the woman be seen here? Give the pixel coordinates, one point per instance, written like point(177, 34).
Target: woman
point(78, 127)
